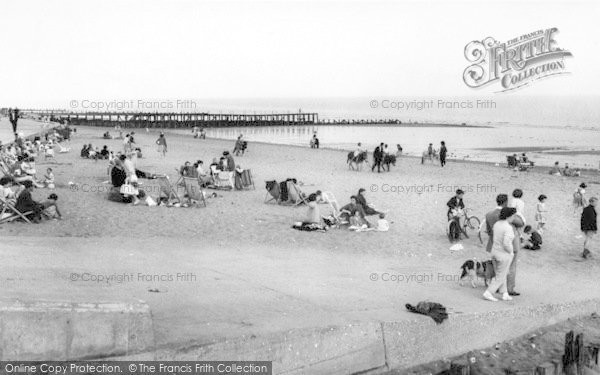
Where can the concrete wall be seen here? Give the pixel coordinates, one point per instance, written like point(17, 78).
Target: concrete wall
point(124, 332)
point(379, 347)
point(60, 331)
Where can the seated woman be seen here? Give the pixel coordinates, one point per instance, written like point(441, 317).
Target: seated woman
point(25, 203)
point(7, 192)
point(84, 151)
point(354, 210)
point(203, 176)
point(312, 221)
point(104, 153)
point(118, 179)
point(555, 171)
point(361, 200)
point(313, 215)
point(19, 174)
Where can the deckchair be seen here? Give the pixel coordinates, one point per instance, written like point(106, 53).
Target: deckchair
point(167, 189)
point(224, 180)
point(329, 198)
point(244, 180)
point(10, 213)
point(4, 168)
point(273, 191)
point(295, 195)
point(194, 192)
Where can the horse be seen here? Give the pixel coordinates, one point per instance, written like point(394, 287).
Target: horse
point(358, 160)
point(431, 157)
point(389, 159)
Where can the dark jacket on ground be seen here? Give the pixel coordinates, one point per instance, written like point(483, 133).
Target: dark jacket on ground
point(589, 219)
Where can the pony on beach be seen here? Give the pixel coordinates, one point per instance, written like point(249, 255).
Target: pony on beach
point(389, 159)
point(357, 160)
point(431, 157)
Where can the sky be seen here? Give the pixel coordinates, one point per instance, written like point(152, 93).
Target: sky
point(57, 51)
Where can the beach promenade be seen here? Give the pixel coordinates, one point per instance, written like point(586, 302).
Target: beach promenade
point(236, 270)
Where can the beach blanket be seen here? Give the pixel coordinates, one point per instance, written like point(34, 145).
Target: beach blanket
point(309, 227)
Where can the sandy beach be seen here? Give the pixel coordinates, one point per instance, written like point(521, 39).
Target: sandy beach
point(415, 196)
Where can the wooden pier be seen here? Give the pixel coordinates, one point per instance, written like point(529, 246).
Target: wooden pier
point(174, 120)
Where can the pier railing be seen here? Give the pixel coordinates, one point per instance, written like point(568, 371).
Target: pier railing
point(174, 120)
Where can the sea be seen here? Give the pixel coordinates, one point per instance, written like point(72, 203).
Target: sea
point(482, 128)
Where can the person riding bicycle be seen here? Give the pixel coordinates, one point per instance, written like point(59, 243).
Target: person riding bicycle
point(456, 208)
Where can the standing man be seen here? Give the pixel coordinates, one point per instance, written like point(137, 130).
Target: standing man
point(589, 225)
point(492, 217)
point(13, 116)
point(377, 156)
point(443, 152)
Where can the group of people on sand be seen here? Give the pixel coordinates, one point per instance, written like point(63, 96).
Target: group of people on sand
point(566, 171)
point(124, 176)
point(20, 178)
point(208, 176)
point(508, 232)
point(89, 152)
point(199, 133)
point(352, 216)
point(432, 153)
point(19, 196)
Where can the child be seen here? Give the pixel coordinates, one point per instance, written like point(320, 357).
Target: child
point(540, 215)
point(49, 179)
point(579, 199)
point(49, 207)
point(519, 205)
point(382, 224)
point(535, 239)
point(357, 223)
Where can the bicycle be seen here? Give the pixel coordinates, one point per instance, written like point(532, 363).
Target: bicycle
point(454, 230)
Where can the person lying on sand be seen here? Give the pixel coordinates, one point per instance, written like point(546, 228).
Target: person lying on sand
point(362, 200)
